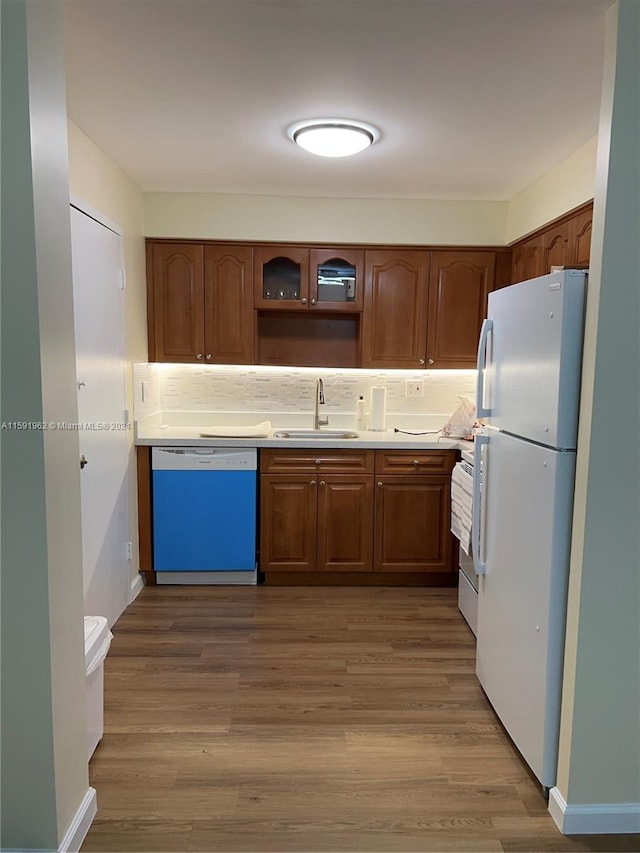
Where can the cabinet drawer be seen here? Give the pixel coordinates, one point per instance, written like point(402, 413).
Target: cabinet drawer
point(415, 461)
point(316, 460)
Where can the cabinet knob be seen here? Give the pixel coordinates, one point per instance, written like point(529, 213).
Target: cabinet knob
point(318, 461)
point(430, 361)
point(312, 483)
point(304, 300)
point(199, 356)
point(379, 483)
point(208, 356)
point(421, 360)
point(322, 483)
point(313, 301)
point(416, 461)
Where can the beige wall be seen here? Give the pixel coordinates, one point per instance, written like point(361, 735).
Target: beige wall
point(96, 180)
point(247, 217)
point(599, 758)
point(409, 221)
point(567, 185)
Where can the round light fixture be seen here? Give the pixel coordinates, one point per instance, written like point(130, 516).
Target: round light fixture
point(334, 137)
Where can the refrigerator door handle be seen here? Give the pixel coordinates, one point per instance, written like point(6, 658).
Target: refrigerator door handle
point(482, 410)
point(476, 538)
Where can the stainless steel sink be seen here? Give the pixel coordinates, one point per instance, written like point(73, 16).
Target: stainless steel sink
point(318, 434)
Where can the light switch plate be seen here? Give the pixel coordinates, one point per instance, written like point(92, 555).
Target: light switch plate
point(413, 388)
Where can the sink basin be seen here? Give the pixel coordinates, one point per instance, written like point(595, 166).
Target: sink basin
point(314, 433)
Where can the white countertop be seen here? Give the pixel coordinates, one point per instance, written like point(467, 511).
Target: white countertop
point(161, 435)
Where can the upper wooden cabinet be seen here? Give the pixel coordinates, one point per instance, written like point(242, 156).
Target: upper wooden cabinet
point(580, 237)
point(297, 278)
point(394, 321)
point(228, 304)
point(527, 260)
point(459, 283)
point(565, 241)
point(175, 301)
point(555, 247)
point(200, 303)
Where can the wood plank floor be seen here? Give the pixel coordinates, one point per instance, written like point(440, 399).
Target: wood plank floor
point(308, 719)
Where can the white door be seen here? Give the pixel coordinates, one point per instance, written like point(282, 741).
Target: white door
point(100, 363)
point(526, 503)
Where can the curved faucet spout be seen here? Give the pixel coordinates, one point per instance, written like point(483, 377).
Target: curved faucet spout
point(319, 401)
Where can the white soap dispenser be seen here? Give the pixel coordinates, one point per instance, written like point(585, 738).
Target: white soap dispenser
point(361, 413)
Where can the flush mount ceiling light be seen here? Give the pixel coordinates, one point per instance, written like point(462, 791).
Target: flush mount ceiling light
point(333, 137)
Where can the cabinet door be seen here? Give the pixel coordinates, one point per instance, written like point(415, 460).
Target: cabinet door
point(459, 283)
point(412, 524)
point(281, 275)
point(228, 304)
point(345, 523)
point(176, 293)
point(336, 279)
point(580, 238)
point(288, 508)
point(555, 250)
point(527, 260)
point(395, 308)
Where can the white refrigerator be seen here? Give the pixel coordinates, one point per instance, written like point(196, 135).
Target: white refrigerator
point(529, 373)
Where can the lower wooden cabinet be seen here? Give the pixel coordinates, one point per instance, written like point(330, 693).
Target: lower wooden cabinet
point(329, 516)
point(288, 531)
point(345, 523)
point(412, 524)
point(318, 520)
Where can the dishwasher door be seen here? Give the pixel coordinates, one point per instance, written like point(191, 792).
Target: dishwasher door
point(204, 515)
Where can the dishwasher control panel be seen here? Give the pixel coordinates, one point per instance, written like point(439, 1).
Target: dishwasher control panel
point(214, 458)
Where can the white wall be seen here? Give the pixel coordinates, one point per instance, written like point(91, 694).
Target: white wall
point(96, 180)
point(599, 761)
point(247, 217)
point(566, 186)
point(44, 748)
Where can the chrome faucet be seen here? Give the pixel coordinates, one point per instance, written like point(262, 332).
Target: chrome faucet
point(319, 401)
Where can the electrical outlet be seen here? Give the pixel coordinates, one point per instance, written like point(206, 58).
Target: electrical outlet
point(413, 388)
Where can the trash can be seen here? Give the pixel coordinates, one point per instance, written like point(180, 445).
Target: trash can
point(97, 639)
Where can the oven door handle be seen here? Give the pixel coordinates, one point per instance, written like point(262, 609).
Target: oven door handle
point(476, 538)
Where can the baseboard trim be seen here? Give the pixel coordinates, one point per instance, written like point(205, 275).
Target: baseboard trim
point(594, 818)
point(137, 585)
point(80, 824)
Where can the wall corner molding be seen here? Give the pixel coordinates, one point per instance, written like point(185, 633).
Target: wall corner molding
point(593, 818)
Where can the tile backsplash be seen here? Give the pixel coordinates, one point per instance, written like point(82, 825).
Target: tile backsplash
point(170, 388)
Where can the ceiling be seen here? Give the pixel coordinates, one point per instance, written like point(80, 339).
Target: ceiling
point(474, 98)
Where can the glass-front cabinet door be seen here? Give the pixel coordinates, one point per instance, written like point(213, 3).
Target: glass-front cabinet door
point(336, 279)
point(281, 275)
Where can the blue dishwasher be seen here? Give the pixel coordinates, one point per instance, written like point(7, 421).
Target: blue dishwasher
point(204, 515)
